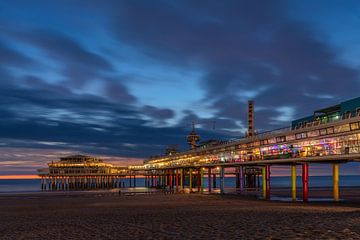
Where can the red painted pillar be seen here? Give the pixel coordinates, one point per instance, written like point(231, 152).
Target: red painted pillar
point(209, 179)
point(171, 179)
point(267, 182)
point(305, 181)
point(177, 179)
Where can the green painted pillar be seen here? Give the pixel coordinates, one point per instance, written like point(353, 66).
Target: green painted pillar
point(264, 181)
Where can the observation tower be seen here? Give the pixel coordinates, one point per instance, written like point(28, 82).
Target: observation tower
point(193, 137)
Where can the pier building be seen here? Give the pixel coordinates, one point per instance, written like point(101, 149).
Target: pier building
point(329, 136)
point(79, 172)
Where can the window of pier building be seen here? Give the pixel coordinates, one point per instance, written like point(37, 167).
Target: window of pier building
point(313, 133)
point(281, 139)
point(317, 122)
point(342, 128)
point(290, 137)
point(243, 155)
point(273, 152)
point(250, 144)
point(251, 155)
point(354, 126)
point(256, 154)
point(330, 130)
point(264, 142)
point(272, 140)
point(321, 147)
point(323, 131)
point(301, 135)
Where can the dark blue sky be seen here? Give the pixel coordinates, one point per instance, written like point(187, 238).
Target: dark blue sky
point(123, 79)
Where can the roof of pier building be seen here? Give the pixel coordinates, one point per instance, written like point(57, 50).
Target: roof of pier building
point(342, 110)
point(79, 161)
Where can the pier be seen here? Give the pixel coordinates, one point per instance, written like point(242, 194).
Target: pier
point(329, 136)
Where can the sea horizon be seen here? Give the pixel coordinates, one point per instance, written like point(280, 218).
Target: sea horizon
point(34, 185)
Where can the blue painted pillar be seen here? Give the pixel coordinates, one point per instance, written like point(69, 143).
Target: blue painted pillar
point(222, 180)
point(241, 178)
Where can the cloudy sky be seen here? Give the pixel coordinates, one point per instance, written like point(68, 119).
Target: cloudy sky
point(124, 79)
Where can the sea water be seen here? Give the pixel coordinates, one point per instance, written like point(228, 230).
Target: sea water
point(34, 185)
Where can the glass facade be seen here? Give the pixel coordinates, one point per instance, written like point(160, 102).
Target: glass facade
point(324, 141)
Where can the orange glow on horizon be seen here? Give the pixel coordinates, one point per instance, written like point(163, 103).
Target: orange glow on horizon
point(19, 177)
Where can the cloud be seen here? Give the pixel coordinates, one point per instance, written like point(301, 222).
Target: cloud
point(45, 118)
point(243, 47)
point(78, 65)
point(158, 113)
point(11, 57)
point(118, 92)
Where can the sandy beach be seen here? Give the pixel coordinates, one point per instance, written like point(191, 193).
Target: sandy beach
point(172, 216)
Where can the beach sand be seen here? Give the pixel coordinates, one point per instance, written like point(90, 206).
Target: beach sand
point(172, 216)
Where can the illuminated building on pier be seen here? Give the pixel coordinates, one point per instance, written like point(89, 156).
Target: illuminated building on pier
point(331, 135)
point(79, 172)
point(329, 131)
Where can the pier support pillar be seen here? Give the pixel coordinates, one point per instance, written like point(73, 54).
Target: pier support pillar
point(209, 179)
point(214, 180)
point(177, 179)
point(293, 182)
point(264, 181)
point(241, 178)
point(166, 178)
point(190, 180)
point(305, 181)
point(222, 180)
point(201, 180)
point(267, 182)
point(336, 182)
point(181, 179)
point(237, 178)
point(171, 179)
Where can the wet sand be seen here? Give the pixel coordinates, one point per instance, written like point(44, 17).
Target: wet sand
point(172, 216)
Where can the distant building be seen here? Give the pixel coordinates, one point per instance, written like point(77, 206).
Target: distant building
point(80, 164)
point(79, 172)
